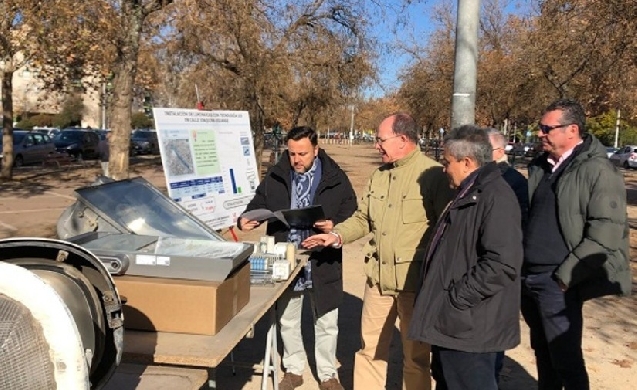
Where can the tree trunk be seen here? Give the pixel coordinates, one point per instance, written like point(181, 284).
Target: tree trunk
point(119, 144)
point(259, 139)
point(6, 172)
point(123, 81)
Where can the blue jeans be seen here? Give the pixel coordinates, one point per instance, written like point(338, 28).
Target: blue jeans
point(458, 370)
point(555, 321)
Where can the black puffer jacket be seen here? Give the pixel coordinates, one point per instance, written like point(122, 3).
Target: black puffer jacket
point(336, 195)
point(470, 297)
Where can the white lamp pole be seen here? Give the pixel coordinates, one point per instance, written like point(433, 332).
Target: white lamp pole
point(351, 126)
point(617, 128)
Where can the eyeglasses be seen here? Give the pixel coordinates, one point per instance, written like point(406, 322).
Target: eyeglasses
point(382, 141)
point(547, 129)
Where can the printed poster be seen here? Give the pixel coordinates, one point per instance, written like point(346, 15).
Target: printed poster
point(209, 162)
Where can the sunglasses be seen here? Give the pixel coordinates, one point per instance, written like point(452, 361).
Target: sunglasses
point(547, 128)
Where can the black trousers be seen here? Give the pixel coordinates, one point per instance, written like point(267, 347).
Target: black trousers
point(555, 321)
point(458, 370)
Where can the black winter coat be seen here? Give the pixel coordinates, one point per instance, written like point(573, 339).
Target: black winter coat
point(520, 187)
point(336, 195)
point(470, 297)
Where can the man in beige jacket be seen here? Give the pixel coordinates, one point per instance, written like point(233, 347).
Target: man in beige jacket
point(404, 198)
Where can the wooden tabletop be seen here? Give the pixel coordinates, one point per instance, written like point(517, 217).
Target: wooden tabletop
point(205, 351)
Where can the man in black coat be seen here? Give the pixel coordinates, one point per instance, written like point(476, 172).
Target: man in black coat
point(469, 302)
point(520, 187)
point(304, 176)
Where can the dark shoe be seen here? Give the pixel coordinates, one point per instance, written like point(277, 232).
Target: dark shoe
point(290, 381)
point(331, 384)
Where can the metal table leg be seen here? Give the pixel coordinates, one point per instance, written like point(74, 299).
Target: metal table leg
point(212, 379)
point(270, 358)
point(274, 351)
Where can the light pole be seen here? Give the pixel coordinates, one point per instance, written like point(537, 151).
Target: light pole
point(463, 102)
point(103, 116)
point(351, 126)
point(617, 123)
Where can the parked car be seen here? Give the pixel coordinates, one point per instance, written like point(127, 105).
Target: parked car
point(145, 142)
point(625, 157)
point(29, 147)
point(610, 151)
point(533, 150)
point(508, 148)
point(516, 149)
point(50, 131)
point(102, 133)
point(78, 143)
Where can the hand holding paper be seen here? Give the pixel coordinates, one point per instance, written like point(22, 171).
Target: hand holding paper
point(303, 218)
point(324, 225)
point(248, 224)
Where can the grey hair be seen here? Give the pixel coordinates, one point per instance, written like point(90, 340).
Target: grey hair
point(498, 138)
point(469, 141)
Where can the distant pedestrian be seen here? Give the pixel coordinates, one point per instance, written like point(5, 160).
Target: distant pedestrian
point(575, 242)
point(104, 153)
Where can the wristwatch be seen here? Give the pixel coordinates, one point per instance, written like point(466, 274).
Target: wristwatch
point(338, 243)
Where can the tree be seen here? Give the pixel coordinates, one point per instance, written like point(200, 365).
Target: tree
point(282, 61)
point(583, 49)
point(43, 34)
point(71, 114)
point(128, 18)
point(427, 83)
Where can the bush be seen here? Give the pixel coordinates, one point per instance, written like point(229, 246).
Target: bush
point(139, 120)
point(26, 124)
point(71, 114)
point(603, 127)
point(42, 120)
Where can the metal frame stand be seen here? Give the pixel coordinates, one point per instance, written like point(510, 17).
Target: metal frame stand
point(270, 363)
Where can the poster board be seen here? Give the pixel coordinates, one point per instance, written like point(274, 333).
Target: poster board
point(209, 162)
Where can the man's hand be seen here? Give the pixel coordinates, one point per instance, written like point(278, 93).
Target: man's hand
point(325, 225)
point(247, 225)
point(563, 287)
point(319, 240)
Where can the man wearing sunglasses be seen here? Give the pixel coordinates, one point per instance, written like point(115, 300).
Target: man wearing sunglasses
point(403, 199)
point(575, 242)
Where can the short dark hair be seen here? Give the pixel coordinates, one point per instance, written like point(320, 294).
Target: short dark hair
point(572, 113)
point(405, 125)
point(301, 132)
point(469, 141)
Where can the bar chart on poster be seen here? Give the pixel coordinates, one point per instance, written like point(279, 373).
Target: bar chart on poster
point(209, 162)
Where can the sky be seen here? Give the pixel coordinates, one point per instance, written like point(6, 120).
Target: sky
point(417, 27)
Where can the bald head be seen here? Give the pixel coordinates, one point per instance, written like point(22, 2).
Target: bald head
point(397, 136)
